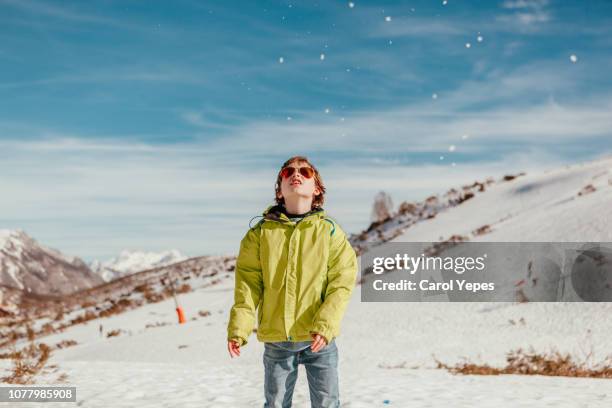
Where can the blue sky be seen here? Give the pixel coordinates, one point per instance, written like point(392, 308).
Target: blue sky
point(156, 125)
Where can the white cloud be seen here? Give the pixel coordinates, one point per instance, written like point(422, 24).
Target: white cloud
point(526, 14)
point(94, 197)
point(524, 4)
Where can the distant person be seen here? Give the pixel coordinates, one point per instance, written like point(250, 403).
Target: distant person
point(297, 268)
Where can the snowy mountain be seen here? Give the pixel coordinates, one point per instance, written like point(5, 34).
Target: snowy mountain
point(572, 203)
point(30, 267)
point(129, 262)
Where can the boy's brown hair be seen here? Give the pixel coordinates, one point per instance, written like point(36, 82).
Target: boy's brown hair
point(318, 200)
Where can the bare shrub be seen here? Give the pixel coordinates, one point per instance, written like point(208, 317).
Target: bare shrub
point(589, 188)
point(28, 362)
point(65, 343)
point(531, 363)
point(184, 288)
point(114, 333)
point(485, 229)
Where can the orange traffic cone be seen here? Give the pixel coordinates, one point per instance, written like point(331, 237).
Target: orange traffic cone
point(181, 315)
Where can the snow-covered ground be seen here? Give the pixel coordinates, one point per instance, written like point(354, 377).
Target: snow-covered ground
point(542, 207)
point(188, 365)
point(387, 351)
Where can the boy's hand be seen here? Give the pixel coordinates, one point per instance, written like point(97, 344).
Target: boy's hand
point(234, 348)
point(318, 342)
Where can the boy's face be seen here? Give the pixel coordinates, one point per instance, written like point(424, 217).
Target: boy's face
point(297, 186)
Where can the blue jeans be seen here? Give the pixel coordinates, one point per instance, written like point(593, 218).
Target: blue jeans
point(281, 360)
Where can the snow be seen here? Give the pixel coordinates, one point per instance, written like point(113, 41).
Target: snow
point(12, 241)
point(128, 370)
point(12, 270)
point(573, 58)
point(129, 262)
point(5, 235)
point(188, 365)
point(322, 57)
point(529, 208)
point(11, 244)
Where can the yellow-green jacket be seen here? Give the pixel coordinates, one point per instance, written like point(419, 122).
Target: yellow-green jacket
point(298, 276)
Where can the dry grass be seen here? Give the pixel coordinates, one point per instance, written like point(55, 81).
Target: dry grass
point(157, 324)
point(588, 189)
point(28, 362)
point(114, 333)
point(531, 363)
point(65, 344)
point(485, 229)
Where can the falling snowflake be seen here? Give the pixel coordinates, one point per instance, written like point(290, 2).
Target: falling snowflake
point(573, 58)
point(445, 2)
point(289, 118)
point(454, 164)
point(326, 110)
point(388, 18)
point(351, 4)
point(451, 148)
point(441, 157)
point(281, 60)
point(341, 119)
point(390, 42)
point(434, 96)
point(464, 137)
point(479, 38)
point(322, 57)
point(468, 45)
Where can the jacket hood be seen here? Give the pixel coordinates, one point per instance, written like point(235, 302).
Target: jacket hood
point(277, 212)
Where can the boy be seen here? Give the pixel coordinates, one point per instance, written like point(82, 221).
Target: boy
point(298, 269)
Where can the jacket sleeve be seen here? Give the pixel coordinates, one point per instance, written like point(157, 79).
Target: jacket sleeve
point(247, 290)
point(342, 273)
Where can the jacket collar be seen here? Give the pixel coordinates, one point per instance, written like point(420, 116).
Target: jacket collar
point(276, 212)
